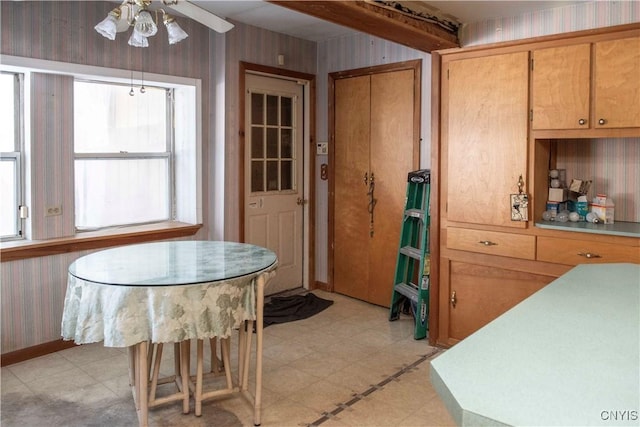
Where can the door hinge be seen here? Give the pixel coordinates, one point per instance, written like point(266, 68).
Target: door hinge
point(447, 74)
point(531, 64)
point(23, 211)
point(531, 115)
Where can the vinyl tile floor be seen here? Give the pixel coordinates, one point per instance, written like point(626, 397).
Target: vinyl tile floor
point(345, 366)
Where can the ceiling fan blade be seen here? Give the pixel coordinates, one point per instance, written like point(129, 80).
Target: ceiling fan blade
point(204, 17)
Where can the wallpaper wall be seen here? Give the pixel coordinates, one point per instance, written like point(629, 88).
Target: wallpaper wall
point(574, 17)
point(32, 291)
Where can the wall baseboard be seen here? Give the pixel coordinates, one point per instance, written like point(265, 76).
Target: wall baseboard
point(35, 351)
point(322, 286)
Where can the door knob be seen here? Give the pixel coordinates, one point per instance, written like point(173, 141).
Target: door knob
point(300, 201)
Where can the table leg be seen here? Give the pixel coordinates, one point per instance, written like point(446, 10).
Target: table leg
point(184, 373)
point(141, 379)
point(245, 361)
point(199, 377)
point(259, 326)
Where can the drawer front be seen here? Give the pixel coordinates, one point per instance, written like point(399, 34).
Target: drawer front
point(492, 242)
point(573, 252)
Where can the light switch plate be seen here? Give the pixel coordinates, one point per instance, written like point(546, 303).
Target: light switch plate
point(323, 148)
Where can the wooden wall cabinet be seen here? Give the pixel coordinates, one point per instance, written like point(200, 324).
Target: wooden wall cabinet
point(587, 85)
point(496, 119)
point(486, 130)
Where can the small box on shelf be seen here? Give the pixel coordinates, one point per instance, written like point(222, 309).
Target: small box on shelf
point(557, 195)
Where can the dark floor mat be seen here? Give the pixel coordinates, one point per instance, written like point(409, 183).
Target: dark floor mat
point(295, 307)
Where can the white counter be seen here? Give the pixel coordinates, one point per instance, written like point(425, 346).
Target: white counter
point(569, 355)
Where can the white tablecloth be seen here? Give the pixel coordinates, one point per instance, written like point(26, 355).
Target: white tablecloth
point(122, 316)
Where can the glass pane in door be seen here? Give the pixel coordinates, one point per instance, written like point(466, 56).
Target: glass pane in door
point(272, 143)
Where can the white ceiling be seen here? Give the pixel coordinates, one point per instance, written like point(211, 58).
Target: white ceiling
point(282, 20)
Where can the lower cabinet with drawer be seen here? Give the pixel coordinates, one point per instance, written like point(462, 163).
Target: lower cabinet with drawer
point(574, 252)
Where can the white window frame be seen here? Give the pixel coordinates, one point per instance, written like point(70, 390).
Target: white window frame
point(187, 125)
point(168, 154)
point(17, 156)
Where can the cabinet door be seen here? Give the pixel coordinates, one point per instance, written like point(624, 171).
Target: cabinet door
point(486, 137)
point(617, 83)
point(351, 219)
point(477, 294)
point(561, 87)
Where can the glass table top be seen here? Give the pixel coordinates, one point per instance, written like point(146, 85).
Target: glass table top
point(172, 263)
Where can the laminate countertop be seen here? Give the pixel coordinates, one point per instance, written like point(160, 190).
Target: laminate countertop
point(569, 355)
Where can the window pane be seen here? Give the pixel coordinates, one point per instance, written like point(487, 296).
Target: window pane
point(272, 110)
point(109, 120)
point(286, 112)
point(257, 143)
point(286, 150)
point(272, 176)
point(272, 143)
point(7, 112)
point(257, 109)
point(8, 200)
point(257, 176)
point(286, 171)
point(105, 196)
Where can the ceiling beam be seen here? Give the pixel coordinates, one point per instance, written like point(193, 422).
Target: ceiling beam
point(378, 21)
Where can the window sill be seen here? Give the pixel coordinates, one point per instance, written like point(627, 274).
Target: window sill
point(23, 249)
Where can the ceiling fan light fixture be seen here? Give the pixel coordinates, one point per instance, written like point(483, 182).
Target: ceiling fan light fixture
point(108, 26)
point(174, 31)
point(144, 24)
point(137, 39)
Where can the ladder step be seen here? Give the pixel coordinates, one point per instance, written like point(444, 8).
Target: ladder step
point(414, 213)
point(408, 291)
point(412, 252)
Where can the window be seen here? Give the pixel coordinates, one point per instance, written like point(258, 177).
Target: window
point(123, 149)
point(11, 131)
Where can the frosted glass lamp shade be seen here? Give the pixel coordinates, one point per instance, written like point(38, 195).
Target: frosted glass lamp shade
point(174, 31)
point(137, 39)
point(145, 25)
point(107, 27)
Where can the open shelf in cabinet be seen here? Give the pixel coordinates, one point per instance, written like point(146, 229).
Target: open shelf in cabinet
point(613, 165)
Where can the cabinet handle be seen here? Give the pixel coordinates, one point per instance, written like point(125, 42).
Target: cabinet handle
point(602, 121)
point(582, 122)
point(589, 255)
point(453, 299)
point(487, 243)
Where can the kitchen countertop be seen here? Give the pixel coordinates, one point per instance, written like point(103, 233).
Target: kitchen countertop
point(568, 355)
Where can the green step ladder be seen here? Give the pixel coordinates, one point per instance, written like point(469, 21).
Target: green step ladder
point(411, 282)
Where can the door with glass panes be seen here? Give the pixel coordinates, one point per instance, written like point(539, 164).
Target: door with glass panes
point(273, 174)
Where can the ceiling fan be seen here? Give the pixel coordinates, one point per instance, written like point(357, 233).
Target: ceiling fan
point(137, 14)
point(199, 14)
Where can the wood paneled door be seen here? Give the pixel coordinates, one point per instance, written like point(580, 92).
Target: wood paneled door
point(374, 128)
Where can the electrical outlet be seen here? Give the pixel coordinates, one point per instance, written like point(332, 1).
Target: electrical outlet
point(53, 210)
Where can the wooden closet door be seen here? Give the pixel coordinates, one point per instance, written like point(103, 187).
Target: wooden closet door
point(393, 155)
point(351, 218)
